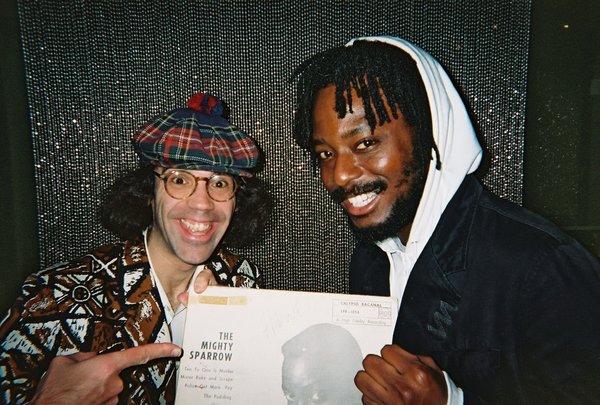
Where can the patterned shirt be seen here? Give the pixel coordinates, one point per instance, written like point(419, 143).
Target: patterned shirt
point(104, 300)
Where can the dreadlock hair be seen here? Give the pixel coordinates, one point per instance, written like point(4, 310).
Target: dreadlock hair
point(127, 209)
point(377, 72)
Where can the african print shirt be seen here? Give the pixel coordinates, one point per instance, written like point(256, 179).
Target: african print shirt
point(105, 300)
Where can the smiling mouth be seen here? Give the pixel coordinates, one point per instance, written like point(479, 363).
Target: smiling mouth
point(195, 227)
point(359, 201)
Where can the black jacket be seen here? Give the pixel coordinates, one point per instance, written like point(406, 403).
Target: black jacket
point(506, 303)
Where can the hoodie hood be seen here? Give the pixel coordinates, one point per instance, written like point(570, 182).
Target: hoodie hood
point(453, 132)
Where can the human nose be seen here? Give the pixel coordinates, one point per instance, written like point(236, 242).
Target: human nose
point(200, 198)
point(346, 169)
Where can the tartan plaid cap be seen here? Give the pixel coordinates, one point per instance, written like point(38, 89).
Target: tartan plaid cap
point(197, 138)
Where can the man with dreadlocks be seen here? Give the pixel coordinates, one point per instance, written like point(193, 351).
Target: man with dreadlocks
point(497, 305)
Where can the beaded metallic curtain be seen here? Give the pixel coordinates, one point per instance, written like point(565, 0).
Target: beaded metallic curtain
point(96, 70)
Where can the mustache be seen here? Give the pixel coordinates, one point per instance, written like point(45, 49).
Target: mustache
point(340, 194)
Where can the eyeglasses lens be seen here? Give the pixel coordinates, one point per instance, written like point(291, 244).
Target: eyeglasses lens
point(180, 185)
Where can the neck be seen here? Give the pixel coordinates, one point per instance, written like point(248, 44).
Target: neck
point(174, 275)
point(404, 234)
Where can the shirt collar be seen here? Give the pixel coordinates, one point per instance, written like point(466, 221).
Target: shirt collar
point(392, 245)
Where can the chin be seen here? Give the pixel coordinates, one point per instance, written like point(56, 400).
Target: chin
point(374, 233)
point(371, 220)
point(194, 259)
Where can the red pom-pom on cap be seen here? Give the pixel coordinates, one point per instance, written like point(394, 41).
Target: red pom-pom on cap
point(206, 103)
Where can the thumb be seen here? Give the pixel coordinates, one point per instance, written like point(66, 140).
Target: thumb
point(183, 298)
point(203, 280)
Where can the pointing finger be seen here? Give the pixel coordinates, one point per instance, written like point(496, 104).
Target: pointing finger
point(141, 354)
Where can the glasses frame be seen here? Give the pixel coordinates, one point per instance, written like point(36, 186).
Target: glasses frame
point(164, 176)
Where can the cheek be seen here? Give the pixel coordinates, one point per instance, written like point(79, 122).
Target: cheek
point(383, 163)
point(161, 206)
point(398, 171)
point(394, 157)
point(154, 204)
point(326, 175)
point(229, 211)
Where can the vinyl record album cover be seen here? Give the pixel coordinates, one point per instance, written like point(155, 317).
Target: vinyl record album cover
point(249, 346)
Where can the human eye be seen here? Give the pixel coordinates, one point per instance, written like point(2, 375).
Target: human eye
point(324, 155)
point(222, 182)
point(180, 179)
point(366, 144)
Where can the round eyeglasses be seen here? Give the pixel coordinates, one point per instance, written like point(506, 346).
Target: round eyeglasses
point(181, 185)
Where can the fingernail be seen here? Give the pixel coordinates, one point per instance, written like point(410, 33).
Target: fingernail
point(177, 352)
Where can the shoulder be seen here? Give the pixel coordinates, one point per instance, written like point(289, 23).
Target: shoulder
point(509, 237)
point(86, 262)
point(235, 270)
point(499, 239)
point(55, 291)
point(476, 217)
point(518, 227)
point(74, 280)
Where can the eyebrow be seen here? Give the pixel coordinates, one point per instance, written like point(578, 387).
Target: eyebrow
point(356, 131)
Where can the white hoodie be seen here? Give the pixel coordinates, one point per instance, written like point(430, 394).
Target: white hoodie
point(460, 154)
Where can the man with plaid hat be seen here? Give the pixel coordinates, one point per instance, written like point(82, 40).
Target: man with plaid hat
point(101, 328)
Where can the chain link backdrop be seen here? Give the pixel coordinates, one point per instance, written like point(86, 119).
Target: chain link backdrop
point(96, 70)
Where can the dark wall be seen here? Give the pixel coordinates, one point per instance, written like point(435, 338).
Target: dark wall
point(562, 139)
point(18, 238)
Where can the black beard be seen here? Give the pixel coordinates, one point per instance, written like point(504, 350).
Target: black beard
point(402, 214)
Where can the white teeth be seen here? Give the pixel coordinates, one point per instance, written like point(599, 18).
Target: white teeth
point(362, 199)
point(195, 226)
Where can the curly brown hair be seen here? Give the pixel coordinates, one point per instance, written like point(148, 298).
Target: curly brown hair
point(127, 211)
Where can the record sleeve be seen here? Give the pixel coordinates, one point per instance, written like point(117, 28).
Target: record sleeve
point(248, 346)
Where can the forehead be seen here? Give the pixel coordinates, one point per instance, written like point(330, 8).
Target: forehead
point(354, 118)
point(326, 105)
point(343, 98)
point(347, 100)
